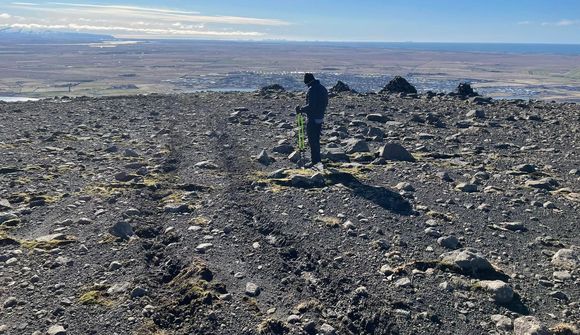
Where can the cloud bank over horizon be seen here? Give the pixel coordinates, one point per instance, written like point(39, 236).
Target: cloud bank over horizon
point(126, 21)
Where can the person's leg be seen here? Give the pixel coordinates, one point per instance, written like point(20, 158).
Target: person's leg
point(313, 131)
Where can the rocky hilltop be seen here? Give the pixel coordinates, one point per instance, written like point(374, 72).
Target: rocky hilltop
point(188, 214)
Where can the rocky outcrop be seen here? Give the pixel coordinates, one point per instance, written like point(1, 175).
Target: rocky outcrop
point(399, 85)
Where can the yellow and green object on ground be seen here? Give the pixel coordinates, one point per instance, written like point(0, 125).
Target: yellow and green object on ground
point(301, 131)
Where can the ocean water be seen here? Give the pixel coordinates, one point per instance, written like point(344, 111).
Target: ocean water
point(506, 48)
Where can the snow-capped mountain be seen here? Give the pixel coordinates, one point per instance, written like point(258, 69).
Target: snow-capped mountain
point(13, 35)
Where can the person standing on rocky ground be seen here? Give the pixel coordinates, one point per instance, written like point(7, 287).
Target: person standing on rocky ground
point(316, 103)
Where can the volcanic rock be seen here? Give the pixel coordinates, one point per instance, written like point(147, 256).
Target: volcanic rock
point(399, 85)
point(395, 152)
point(529, 325)
point(502, 292)
point(354, 145)
point(465, 90)
point(567, 259)
point(468, 260)
point(340, 87)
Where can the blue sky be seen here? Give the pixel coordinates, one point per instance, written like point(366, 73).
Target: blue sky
point(519, 21)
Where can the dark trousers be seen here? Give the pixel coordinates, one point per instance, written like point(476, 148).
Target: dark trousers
point(313, 132)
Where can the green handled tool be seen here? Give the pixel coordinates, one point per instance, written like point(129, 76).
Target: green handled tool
point(301, 135)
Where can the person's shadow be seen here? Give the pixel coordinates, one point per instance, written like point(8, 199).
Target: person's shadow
point(381, 196)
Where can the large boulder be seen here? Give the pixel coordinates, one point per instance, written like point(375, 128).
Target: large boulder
point(336, 155)
point(467, 260)
point(340, 87)
point(395, 152)
point(502, 293)
point(354, 145)
point(399, 85)
point(529, 325)
point(465, 90)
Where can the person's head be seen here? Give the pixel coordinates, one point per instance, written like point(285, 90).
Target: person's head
point(308, 78)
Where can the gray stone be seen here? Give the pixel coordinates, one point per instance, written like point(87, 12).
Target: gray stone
point(559, 295)
point(10, 302)
point(468, 260)
point(177, 208)
point(62, 261)
point(545, 184)
point(502, 293)
point(202, 248)
point(280, 173)
point(7, 217)
point(130, 153)
point(263, 158)
point(284, 149)
point(119, 288)
point(138, 292)
point(502, 322)
point(122, 230)
point(562, 275)
point(115, 266)
point(56, 330)
point(432, 232)
point(478, 113)
point(529, 325)
point(293, 318)
point(386, 270)
point(84, 221)
point(525, 168)
point(208, 165)
point(444, 176)
point(327, 329)
point(11, 261)
point(336, 155)
point(449, 242)
point(403, 282)
point(375, 133)
point(295, 157)
point(395, 152)
point(567, 259)
point(252, 289)
point(465, 187)
point(354, 145)
point(5, 204)
point(403, 186)
point(377, 117)
point(513, 226)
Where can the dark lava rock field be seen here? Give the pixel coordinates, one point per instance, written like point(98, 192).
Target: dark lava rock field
point(188, 214)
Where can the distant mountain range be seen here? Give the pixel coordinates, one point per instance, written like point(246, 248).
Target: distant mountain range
point(11, 35)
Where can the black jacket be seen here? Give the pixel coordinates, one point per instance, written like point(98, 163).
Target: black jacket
point(317, 101)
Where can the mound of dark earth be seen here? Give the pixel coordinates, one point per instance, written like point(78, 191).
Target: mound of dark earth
point(185, 214)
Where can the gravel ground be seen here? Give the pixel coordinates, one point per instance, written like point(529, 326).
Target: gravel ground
point(160, 214)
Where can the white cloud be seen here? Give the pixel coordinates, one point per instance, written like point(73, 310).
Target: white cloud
point(132, 21)
point(565, 22)
point(134, 8)
point(140, 31)
point(562, 23)
point(70, 10)
point(5, 16)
